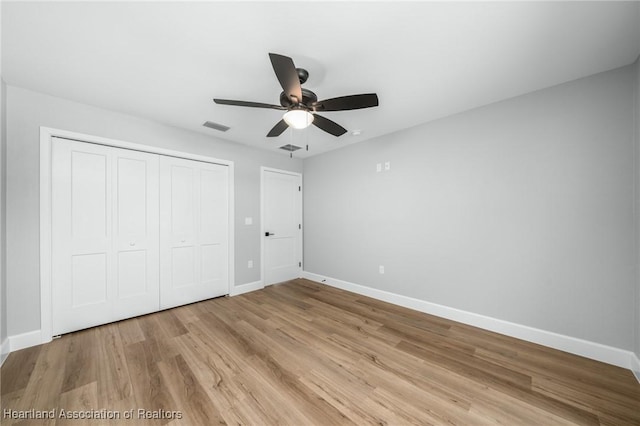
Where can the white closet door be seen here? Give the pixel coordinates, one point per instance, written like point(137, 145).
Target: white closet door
point(81, 215)
point(104, 234)
point(136, 222)
point(193, 231)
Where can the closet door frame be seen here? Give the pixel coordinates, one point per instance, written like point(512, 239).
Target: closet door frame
point(46, 135)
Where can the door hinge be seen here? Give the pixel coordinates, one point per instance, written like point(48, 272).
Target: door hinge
point(299, 226)
point(300, 264)
point(299, 188)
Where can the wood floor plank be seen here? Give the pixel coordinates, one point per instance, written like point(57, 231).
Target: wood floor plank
point(301, 353)
point(42, 393)
point(17, 369)
point(511, 383)
point(80, 360)
point(81, 398)
point(188, 393)
point(130, 331)
point(214, 372)
point(149, 388)
point(112, 369)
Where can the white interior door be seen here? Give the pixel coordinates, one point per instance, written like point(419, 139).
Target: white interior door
point(194, 231)
point(136, 233)
point(81, 236)
point(282, 225)
point(104, 234)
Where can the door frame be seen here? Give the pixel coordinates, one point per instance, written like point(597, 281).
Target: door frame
point(46, 136)
point(300, 245)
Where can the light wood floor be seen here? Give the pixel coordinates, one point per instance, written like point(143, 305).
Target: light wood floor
point(299, 353)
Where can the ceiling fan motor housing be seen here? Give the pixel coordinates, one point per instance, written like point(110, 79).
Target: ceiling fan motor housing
point(308, 98)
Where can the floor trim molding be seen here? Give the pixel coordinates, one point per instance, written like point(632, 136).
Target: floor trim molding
point(4, 350)
point(635, 366)
point(25, 340)
point(585, 348)
point(246, 288)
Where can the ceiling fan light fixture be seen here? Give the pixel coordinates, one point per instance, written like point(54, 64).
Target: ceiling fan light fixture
point(298, 118)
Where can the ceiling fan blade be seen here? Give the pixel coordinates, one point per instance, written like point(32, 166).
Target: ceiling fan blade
point(344, 103)
point(287, 76)
point(247, 104)
point(277, 130)
point(328, 126)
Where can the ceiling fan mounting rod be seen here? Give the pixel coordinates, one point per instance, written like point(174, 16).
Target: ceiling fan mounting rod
point(303, 75)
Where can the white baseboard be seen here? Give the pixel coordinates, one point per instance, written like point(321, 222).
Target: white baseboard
point(585, 348)
point(635, 366)
point(4, 351)
point(25, 340)
point(246, 288)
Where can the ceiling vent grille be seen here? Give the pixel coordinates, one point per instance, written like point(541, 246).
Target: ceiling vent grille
point(216, 126)
point(290, 147)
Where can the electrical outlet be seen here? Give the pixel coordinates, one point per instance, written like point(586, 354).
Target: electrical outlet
point(379, 167)
point(250, 264)
point(387, 166)
point(381, 269)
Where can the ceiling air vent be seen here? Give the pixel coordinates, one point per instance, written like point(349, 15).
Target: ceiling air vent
point(216, 126)
point(290, 147)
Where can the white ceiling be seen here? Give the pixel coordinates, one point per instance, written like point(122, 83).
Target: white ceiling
point(166, 61)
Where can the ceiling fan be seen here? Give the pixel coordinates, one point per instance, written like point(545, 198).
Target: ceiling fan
point(302, 105)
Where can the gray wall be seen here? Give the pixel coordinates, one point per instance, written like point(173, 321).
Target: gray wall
point(3, 145)
point(636, 117)
point(3, 204)
point(28, 110)
point(520, 210)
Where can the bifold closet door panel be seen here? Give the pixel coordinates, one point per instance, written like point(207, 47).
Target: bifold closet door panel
point(82, 259)
point(193, 231)
point(105, 234)
point(136, 233)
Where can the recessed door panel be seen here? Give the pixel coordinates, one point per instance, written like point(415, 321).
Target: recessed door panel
point(212, 262)
point(132, 274)
point(182, 267)
point(88, 279)
point(132, 187)
point(89, 194)
point(182, 201)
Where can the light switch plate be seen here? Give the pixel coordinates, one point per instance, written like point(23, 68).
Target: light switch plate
point(248, 221)
point(381, 269)
point(379, 167)
point(250, 264)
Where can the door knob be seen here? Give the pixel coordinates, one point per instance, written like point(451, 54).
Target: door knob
point(268, 234)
